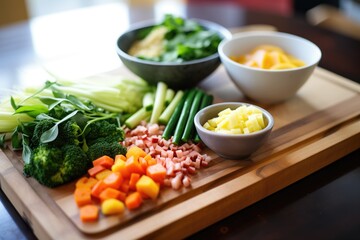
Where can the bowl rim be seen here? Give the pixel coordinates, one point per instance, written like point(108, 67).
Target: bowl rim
point(237, 36)
point(148, 23)
point(267, 114)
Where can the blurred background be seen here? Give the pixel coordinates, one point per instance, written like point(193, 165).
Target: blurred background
point(338, 15)
point(69, 35)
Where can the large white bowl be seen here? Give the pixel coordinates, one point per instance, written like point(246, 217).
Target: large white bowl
point(269, 86)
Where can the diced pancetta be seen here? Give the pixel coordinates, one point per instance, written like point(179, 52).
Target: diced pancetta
point(179, 160)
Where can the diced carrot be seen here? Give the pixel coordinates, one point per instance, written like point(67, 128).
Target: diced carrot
point(82, 196)
point(104, 161)
point(133, 180)
point(95, 170)
point(133, 200)
point(109, 193)
point(113, 180)
point(86, 182)
point(122, 196)
point(133, 165)
point(112, 206)
point(143, 164)
point(157, 172)
point(120, 166)
point(125, 186)
point(135, 152)
point(89, 213)
point(148, 186)
point(103, 174)
point(98, 188)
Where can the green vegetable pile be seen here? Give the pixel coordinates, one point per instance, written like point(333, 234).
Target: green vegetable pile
point(60, 134)
point(60, 130)
point(185, 40)
point(175, 110)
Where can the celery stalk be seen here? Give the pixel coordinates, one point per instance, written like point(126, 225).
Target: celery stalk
point(159, 102)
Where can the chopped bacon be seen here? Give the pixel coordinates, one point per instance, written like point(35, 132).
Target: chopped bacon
point(180, 161)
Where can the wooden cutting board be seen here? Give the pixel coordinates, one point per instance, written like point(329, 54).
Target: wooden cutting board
point(313, 129)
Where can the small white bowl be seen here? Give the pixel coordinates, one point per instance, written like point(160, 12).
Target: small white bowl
point(231, 146)
point(269, 86)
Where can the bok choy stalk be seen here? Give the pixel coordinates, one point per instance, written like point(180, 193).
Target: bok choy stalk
point(112, 93)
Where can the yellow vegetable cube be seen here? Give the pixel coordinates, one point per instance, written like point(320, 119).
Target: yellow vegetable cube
point(236, 131)
point(148, 186)
point(224, 124)
point(103, 174)
point(260, 119)
point(212, 122)
point(225, 112)
point(208, 126)
point(252, 124)
point(112, 206)
point(244, 119)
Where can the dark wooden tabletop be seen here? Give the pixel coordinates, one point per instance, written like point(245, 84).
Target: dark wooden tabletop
point(324, 205)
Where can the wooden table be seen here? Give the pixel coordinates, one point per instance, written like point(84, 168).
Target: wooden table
point(323, 205)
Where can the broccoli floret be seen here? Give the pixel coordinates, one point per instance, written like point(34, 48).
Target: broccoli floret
point(41, 127)
point(44, 162)
point(103, 129)
point(69, 133)
point(53, 166)
point(65, 159)
point(104, 147)
point(75, 164)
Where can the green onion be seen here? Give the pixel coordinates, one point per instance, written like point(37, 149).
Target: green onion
point(169, 110)
point(171, 125)
point(190, 120)
point(183, 116)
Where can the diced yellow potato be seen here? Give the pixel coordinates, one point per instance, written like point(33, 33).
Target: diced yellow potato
point(246, 130)
point(224, 124)
point(253, 125)
point(236, 131)
point(103, 174)
point(244, 119)
point(112, 206)
point(260, 119)
point(224, 112)
point(148, 186)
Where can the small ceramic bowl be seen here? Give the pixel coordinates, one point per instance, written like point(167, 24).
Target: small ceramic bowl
point(231, 146)
point(263, 85)
point(176, 75)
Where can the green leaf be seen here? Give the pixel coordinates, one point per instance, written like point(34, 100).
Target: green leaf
point(51, 134)
point(43, 116)
point(13, 104)
point(51, 101)
point(2, 140)
point(75, 101)
point(26, 153)
point(16, 139)
point(32, 110)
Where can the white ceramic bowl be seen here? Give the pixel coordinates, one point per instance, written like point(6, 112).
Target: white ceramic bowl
point(231, 146)
point(269, 86)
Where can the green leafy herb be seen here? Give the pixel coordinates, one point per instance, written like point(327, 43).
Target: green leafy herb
point(185, 40)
